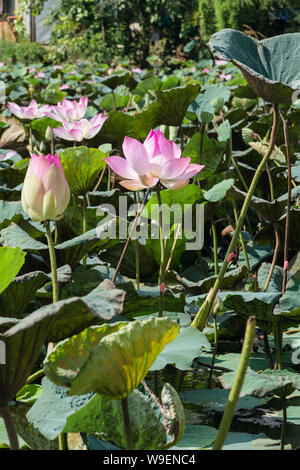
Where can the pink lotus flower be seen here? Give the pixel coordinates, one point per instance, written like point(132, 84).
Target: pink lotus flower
point(45, 193)
point(40, 75)
point(137, 70)
point(221, 62)
point(69, 110)
point(205, 70)
point(79, 130)
point(57, 67)
point(157, 159)
point(31, 70)
point(1, 64)
point(225, 77)
point(33, 111)
point(64, 86)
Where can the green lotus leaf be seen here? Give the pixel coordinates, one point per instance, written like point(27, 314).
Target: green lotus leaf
point(122, 359)
point(68, 357)
point(270, 66)
point(169, 109)
point(261, 384)
point(24, 340)
point(11, 261)
point(81, 166)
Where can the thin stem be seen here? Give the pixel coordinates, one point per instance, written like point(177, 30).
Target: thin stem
point(275, 255)
point(137, 249)
point(55, 290)
point(270, 183)
point(10, 427)
point(267, 350)
point(161, 278)
point(288, 205)
point(235, 165)
point(284, 422)
point(84, 223)
point(127, 425)
point(215, 244)
point(108, 178)
point(129, 237)
point(202, 315)
point(277, 335)
point(214, 352)
point(114, 100)
point(237, 385)
point(177, 233)
point(100, 179)
point(63, 441)
point(241, 237)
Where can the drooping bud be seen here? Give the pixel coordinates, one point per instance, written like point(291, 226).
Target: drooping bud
point(46, 193)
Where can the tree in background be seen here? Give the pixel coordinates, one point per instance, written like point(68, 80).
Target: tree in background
point(268, 17)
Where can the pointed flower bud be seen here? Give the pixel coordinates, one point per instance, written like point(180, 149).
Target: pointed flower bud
point(46, 193)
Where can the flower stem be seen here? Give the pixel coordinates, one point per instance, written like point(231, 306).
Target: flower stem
point(134, 223)
point(202, 315)
point(137, 248)
point(62, 439)
point(215, 244)
point(214, 352)
point(237, 385)
point(284, 422)
point(10, 427)
point(84, 222)
point(288, 205)
point(241, 237)
point(127, 425)
point(276, 251)
point(161, 278)
point(55, 290)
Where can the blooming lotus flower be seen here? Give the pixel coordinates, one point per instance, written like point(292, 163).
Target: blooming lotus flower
point(64, 86)
point(33, 111)
point(79, 130)
point(69, 110)
point(45, 193)
point(1, 64)
point(221, 62)
point(40, 75)
point(157, 159)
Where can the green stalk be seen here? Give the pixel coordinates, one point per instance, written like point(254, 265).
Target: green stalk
point(62, 438)
point(162, 253)
point(202, 315)
point(10, 427)
point(276, 251)
point(84, 222)
point(241, 237)
point(237, 385)
point(63, 441)
point(235, 165)
point(137, 248)
point(284, 422)
point(215, 243)
point(277, 341)
point(127, 425)
point(52, 262)
point(214, 352)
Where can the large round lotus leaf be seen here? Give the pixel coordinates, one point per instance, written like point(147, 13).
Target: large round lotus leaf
point(81, 166)
point(122, 359)
point(270, 66)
